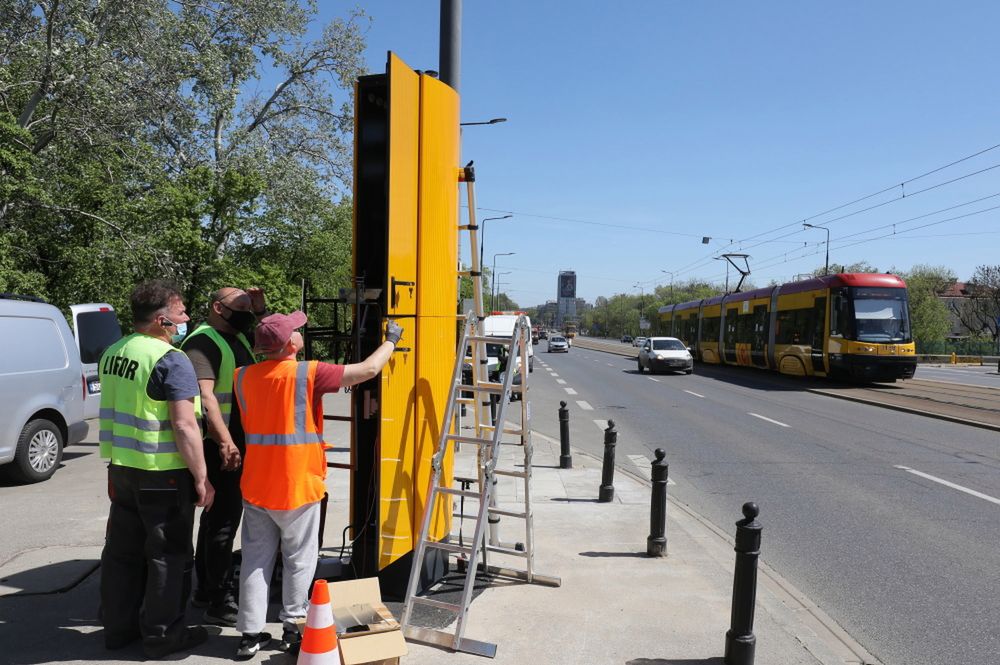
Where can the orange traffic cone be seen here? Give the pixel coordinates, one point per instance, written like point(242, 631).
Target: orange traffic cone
point(319, 640)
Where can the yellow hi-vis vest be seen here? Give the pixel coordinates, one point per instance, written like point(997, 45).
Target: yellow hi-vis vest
point(136, 430)
point(224, 381)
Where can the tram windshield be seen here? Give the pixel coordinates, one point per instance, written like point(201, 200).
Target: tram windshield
point(881, 315)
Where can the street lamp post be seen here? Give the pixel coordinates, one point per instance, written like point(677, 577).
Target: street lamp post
point(498, 284)
point(671, 284)
point(494, 275)
point(642, 302)
point(482, 238)
point(826, 270)
point(492, 121)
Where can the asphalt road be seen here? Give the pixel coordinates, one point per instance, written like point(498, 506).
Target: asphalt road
point(889, 521)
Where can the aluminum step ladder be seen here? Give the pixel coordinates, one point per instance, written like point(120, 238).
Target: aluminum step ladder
point(487, 438)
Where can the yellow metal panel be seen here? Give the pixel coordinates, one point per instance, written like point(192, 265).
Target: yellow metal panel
point(438, 203)
point(436, 340)
point(396, 452)
point(404, 147)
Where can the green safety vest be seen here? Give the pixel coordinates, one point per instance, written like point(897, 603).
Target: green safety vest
point(224, 381)
point(135, 429)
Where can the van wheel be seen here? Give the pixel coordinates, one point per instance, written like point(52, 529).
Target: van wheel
point(640, 366)
point(39, 452)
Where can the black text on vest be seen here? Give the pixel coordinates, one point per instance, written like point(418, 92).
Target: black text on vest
point(120, 366)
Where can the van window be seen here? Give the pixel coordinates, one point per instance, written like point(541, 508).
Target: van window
point(40, 344)
point(96, 332)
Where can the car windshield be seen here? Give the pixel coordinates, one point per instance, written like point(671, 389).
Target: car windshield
point(881, 315)
point(557, 339)
point(668, 345)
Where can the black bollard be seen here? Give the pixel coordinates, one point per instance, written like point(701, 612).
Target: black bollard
point(607, 492)
point(656, 543)
point(740, 640)
point(565, 458)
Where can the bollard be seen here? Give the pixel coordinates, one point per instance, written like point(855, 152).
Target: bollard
point(565, 458)
point(656, 543)
point(740, 640)
point(607, 491)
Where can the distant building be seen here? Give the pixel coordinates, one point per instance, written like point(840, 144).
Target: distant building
point(955, 298)
point(566, 297)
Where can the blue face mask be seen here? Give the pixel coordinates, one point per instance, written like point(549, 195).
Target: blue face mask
point(182, 329)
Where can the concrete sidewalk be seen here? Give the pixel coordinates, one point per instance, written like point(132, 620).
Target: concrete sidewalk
point(616, 605)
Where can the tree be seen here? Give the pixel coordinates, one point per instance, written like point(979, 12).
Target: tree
point(929, 319)
point(980, 313)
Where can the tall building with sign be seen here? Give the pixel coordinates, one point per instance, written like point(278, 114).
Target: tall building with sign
point(566, 298)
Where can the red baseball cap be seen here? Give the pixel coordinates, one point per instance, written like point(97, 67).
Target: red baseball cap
point(274, 331)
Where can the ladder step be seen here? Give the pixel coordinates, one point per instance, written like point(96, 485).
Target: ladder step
point(440, 604)
point(465, 400)
point(448, 547)
point(489, 340)
point(494, 388)
point(470, 439)
point(454, 492)
point(508, 513)
point(512, 474)
point(507, 550)
point(506, 430)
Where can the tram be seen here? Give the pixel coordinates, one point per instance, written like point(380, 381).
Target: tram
point(848, 325)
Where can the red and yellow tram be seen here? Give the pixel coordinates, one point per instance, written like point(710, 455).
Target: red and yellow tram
point(849, 325)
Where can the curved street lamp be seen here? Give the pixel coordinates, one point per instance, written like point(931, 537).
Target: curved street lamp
point(482, 238)
point(826, 270)
point(493, 121)
point(494, 274)
point(670, 272)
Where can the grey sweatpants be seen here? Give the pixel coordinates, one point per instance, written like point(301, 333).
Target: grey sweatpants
point(298, 533)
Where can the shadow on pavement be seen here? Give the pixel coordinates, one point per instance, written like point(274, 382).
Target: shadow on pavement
point(673, 661)
point(614, 555)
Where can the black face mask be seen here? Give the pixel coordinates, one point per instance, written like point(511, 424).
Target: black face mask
point(242, 321)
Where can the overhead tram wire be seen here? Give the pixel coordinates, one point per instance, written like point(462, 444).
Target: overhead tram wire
point(590, 223)
point(864, 210)
point(704, 260)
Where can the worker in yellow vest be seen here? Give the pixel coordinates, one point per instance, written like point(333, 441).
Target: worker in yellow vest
point(280, 401)
point(217, 348)
point(149, 431)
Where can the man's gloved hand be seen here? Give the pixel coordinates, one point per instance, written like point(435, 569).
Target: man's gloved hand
point(393, 331)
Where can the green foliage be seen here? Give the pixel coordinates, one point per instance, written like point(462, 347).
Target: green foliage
point(929, 317)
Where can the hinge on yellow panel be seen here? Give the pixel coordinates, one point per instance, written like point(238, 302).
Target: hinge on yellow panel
point(467, 173)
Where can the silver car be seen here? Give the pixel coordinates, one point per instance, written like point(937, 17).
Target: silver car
point(665, 354)
point(42, 389)
point(558, 343)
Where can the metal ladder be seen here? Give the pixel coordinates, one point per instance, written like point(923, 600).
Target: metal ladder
point(487, 439)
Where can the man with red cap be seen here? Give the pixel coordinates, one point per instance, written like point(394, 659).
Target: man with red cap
point(280, 401)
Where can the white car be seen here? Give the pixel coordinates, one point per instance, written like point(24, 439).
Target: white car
point(638, 341)
point(558, 343)
point(665, 354)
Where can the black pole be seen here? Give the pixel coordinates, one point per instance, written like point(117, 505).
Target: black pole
point(740, 640)
point(565, 458)
point(451, 42)
point(607, 491)
point(656, 544)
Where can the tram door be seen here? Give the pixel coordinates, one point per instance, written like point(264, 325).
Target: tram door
point(758, 349)
point(729, 338)
point(818, 335)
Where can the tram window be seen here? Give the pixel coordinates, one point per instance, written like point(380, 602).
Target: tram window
point(793, 326)
point(732, 317)
point(840, 314)
point(710, 329)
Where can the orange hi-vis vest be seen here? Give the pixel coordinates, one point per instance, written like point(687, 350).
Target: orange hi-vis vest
point(284, 466)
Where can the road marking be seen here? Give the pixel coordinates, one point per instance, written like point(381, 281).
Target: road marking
point(601, 424)
point(652, 379)
point(757, 415)
point(609, 364)
point(554, 374)
point(694, 393)
point(570, 391)
point(928, 476)
point(561, 382)
point(583, 405)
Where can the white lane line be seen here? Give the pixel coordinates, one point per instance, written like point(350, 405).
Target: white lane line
point(644, 465)
point(570, 391)
point(694, 393)
point(609, 364)
point(554, 374)
point(652, 379)
point(584, 405)
point(757, 415)
point(601, 424)
point(561, 382)
point(944, 482)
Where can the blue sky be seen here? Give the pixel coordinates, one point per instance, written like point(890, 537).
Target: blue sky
point(681, 120)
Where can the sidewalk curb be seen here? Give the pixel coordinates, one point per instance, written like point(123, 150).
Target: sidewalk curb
point(831, 644)
point(907, 409)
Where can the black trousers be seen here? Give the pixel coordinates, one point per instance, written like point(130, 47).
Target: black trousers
point(147, 559)
point(217, 530)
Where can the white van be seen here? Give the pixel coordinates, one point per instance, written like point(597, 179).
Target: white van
point(502, 325)
point(96, 328)
point(42, 388)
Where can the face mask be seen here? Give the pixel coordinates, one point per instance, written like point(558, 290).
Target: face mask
point(241, 321)
point(182, 331)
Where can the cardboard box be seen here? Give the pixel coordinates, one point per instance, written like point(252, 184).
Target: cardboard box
point(367, 632)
